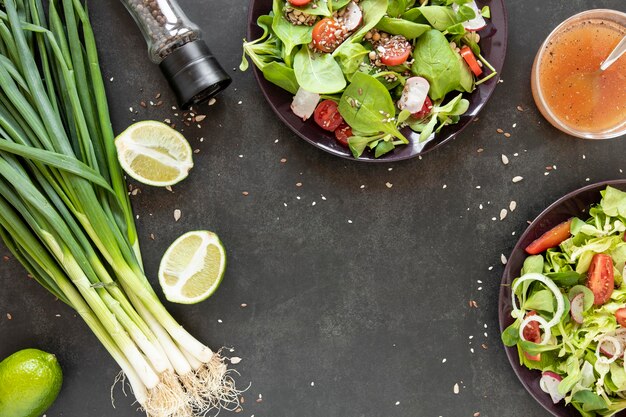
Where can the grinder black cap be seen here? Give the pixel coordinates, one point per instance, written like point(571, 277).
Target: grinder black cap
point(194, 74)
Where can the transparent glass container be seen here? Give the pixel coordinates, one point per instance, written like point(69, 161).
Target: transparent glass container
point(539, 92)
point(175, 43)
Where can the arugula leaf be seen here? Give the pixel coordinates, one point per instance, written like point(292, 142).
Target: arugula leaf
point(443, 114)
point(367, 106)
point(406, 28)
point(358, 144)
point(318, 73)
point(438, 63)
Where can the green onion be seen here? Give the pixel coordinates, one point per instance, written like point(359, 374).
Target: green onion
point(66, 216)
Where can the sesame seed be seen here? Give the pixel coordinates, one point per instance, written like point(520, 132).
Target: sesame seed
point(517, 179)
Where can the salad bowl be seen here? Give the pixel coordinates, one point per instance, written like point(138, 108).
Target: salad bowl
point(493, 47)
point(574, 204)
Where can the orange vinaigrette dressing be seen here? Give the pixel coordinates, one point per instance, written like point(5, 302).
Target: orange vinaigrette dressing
point(574, 88)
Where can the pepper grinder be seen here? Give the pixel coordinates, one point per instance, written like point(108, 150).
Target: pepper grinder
point(175, 43)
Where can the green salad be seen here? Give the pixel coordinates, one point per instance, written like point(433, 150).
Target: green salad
point(569, 306)
point(366, 69)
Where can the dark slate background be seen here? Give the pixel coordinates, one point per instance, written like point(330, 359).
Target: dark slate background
point(343, 319)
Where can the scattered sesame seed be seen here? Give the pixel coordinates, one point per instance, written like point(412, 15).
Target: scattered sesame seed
point(517, 179)
point(455, 389)
point(478, 187)
point(245, 193)
point(389, 185)
point(445, 186)
point(397, 402)
point(312, 383)
point(503, 214)
point(505, 159)
point(512, 205)
point(177, 215)
point(235, 360)
point(519, 108)
point(503, 259)
point(490, 268)
point(211, 102)
point(350, 221)
point(9, 316)
point(499, 130)
point(507, 135)
point(444, 360)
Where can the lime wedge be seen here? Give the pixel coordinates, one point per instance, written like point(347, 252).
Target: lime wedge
point(154, 154)
point(192, 267)
point(30, 381)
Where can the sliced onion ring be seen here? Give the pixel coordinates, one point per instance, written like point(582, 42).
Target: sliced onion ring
point(547, 333)
point(560, 305)
point(616, 344)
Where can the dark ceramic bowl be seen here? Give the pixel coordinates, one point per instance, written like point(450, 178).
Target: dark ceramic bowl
point(573, 204)
point(493, 45)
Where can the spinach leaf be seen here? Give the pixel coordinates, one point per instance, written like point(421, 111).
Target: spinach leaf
point(290, 35)
point(373, 11)
point(267, 48)
point(445, 115)
point(397, 7)
point(281, 75)
point(316, 7)
point(406, 28)
point(351, 57)
point(590, 400)
point(439, 17)
point(466, 77)
point(438, 63)
point(338, 4)
point(465, 13)
point(383, 147)
point(415, 15)
point(367, 106)
point(318, 73)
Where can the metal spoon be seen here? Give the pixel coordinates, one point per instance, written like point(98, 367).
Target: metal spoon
point(615, 54)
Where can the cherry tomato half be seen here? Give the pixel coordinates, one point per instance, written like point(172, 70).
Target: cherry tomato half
point(620, 316)
point(324, 35)
point(425, 110)
point(327, 115)
point(600, 279)
point(532, 333)
point(550, 239)
point(343, 133)
point(397, 51)
point(469, 57)
point(299, 2)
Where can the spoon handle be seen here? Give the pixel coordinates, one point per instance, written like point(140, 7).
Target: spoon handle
point(615, 55)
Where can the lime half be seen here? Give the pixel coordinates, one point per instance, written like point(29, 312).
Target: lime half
point(192, 267)
point(30, 382)
point(154, 154)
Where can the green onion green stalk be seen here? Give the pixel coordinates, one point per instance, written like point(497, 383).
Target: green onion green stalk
point(65, 213)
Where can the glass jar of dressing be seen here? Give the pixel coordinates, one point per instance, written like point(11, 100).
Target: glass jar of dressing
point(569, 88)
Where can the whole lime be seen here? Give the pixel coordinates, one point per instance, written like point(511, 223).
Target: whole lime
point(30, 381)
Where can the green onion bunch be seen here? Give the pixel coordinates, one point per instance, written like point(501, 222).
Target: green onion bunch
point(65, 212)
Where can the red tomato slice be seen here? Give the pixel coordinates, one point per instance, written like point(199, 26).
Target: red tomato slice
point(425, 110)
point(327, 115)
point(620, 316)
point(324, 35)
point(550, 239)
point(343, 133)
point(532, 333)
point(397, 51)
point(600, 279)
point(299, 2)
point(469, 57)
